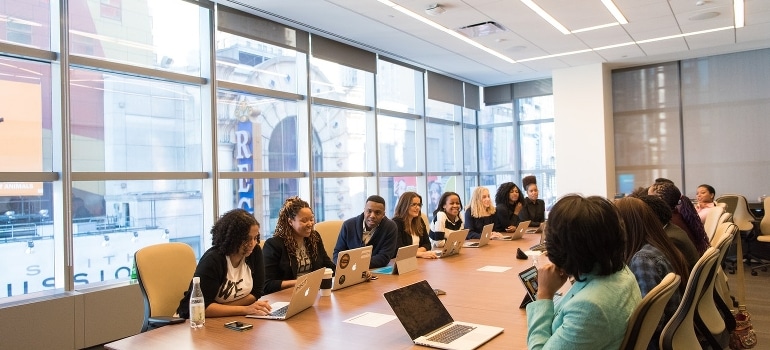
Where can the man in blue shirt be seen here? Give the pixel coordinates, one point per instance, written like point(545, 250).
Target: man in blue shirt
point(370, 228)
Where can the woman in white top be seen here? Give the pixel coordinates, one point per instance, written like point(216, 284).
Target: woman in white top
point(411, 228)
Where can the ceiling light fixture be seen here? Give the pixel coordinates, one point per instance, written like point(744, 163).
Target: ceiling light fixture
point(601, 26)
point(739, 9)
point(615, 11)
point(453, 33)
point(435, 9)
point(540, 12)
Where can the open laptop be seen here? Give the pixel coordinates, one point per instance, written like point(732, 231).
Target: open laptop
point(453, 243)
point(405, 261)
point(519, 232)
point(486, 233)
point(428, 322)
point(540, 247)
point(352, 266)
point(539, 228)
point(303, 297)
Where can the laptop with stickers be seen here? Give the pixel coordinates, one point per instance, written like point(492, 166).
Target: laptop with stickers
point(352, 266)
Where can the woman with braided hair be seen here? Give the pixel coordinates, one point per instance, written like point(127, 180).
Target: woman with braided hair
point(683, 212)
point(295, 248)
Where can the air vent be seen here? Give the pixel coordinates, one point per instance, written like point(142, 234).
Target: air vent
point(481, 29)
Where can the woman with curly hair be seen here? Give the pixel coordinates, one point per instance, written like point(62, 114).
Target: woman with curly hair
point(232, 272)
point(295, 248)
point(508, 201)
point(683, 213)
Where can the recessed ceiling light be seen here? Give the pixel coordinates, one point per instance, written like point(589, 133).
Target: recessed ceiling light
point(481, 29)
point(435, 9)
point(703, 15)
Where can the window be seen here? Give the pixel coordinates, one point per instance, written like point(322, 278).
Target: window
point(26, 22)
point(111, 9)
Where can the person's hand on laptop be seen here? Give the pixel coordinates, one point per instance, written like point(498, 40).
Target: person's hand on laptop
point(428, 254)
point(259, 307)
point(549, 279)
point(510, 229)
point(496, 235)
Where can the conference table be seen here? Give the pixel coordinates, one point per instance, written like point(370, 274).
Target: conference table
point(483, 297)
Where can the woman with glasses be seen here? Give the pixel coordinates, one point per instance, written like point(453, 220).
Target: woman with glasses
point(411, 227)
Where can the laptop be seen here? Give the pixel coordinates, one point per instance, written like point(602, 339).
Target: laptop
point(453, 243)
point(486, 232)
point(540, 247)
point(352, 266)
point(405, 261)
point(539, 228)
point(519, 232)
point(303, 297)
point(428, 322)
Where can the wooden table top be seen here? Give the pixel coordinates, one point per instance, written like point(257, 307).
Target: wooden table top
point(490, 298)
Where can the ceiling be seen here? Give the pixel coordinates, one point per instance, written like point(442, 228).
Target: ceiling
point(537, 47)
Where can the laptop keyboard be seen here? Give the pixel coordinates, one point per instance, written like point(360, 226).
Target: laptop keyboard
point(280, 312)
point(450, 334)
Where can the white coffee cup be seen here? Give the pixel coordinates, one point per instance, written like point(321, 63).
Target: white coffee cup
point(326, 283)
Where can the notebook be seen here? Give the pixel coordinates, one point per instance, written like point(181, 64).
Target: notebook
point(303, 297)
point(453, 243)
point(519, 232)
point(428, 322)
point(405, 261)
point(486, 232)
point(352, 266)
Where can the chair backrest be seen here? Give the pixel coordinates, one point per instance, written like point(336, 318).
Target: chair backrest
point(707, 309)
point(679, 332)
point(425, 219)
point(738, 206)
point(329, 231)
point(712, 220)
point(164, 272)
point(764, 225)
point(645, 318)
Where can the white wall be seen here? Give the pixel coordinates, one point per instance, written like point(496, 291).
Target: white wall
point(585, 158)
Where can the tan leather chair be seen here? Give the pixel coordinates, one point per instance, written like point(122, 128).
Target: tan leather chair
point(679, 333)
point(764, 234)
point(645, 318)
point(712, 312)
point(165, 272)
point(329, 231)
point(712, 221)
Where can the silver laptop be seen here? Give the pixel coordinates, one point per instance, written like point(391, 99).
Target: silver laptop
point(405, 261)
point(540, 246)
point(303, 297)
point(519, 232)
point(352, 266)
point(453, 243)
point(486, 233)
point(539, 228)
point(428, 322)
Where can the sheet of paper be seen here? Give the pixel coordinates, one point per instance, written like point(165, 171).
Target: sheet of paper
point(490, 268)
point(534, 253)
point(371, 319)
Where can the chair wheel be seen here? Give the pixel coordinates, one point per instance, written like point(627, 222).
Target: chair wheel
point(754, 273)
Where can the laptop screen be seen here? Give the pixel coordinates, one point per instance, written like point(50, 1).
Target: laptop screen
point(418, 308)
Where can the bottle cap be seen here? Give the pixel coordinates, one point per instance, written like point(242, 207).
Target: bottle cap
point(196, 279)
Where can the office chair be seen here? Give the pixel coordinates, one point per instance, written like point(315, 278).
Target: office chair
point(645, 318)
point(679, 332)
point(738, 207)
point(329, 231)
point(164, 272)
point(713, 318)
point(712, 221)
point(764, 234)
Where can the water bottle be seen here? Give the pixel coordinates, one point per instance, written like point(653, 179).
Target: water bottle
point(197, 306)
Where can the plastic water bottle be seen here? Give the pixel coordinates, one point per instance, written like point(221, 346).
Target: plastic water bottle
point(197, 306)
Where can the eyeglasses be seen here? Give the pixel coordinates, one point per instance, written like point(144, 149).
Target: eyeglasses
point(416, 205)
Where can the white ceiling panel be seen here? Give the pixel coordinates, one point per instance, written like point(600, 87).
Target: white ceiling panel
point(374, 26)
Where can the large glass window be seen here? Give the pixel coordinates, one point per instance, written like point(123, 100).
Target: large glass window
point(161, 34)
point(342, 139)
point(117, 119)
point(399, 88)
point(538, 144)
point(333, 81)
point(26, 22)
point(397, 139)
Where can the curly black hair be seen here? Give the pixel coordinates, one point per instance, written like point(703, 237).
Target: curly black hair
point(231, 231)
point(583, 233)
point(502, 195)
point(290, 209)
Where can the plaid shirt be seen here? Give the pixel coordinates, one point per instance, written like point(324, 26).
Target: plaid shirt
point(649, 265)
